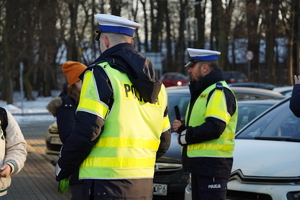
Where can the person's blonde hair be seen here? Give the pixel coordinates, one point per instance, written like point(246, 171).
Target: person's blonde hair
point(116, 38)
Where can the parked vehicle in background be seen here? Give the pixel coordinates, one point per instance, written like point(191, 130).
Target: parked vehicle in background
point(245, 93)
point(177, 95)
point(174, 79)
point(266, 86)
point(242, 93)
point(52, 140)
point(234, 77)
point(169, 178)
point(284, 90)
point(266, 160)
point(250, 109)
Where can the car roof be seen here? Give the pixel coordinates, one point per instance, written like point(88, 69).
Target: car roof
point(283, 89)
point(242, 93)
point(261, 101)
point(284, 101)
point(172, 73)
point(256, 93)
point(252, 84)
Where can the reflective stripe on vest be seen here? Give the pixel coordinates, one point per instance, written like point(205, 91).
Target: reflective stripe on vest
point(89, 97)
point(125, 149)
point(216, 107)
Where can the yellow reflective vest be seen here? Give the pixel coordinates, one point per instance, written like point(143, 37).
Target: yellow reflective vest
point(131, 136)
point(216, 107)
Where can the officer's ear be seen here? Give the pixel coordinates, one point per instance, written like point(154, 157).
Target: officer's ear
point(205, 68)
point(106, 42)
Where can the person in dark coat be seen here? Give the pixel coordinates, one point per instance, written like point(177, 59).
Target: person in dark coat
point(295, 99)
point(64, 108)
point(207, 135)
point(122, 125)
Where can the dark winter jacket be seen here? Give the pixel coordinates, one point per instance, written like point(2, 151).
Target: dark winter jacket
point(295, 100)
point(64, 108)
point(211, 129)
point(88, 127)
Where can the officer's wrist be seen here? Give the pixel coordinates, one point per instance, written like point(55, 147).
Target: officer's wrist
point(182, 137)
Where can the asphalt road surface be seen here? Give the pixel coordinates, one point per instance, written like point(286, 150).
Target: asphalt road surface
point(34, 133)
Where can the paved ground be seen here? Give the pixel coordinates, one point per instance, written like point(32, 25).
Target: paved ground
point(37, 179)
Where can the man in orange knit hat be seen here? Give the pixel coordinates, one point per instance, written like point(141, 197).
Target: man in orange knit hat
point(63, 108)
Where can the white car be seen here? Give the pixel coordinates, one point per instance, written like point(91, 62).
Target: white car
point(266, 158)
point(284, 90)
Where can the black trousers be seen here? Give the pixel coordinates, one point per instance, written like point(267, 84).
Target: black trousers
point(208, 188)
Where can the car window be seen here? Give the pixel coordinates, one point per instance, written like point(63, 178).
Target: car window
point(167, 77)
point(278, 124)
point(247, 112)
point(241, 75)
point(181, 100)
point(179, 76)
point(227, 75)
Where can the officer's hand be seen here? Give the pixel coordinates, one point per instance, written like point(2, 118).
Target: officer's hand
point(297, 79)
point(176, 124)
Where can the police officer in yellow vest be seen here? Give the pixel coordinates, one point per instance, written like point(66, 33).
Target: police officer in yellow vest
point(122, 125)
point(207, 135)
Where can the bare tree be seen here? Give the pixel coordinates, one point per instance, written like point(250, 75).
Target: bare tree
point(134, 11)
point(180, 47)
point(168, 62)
point(222, 20)
point(200, 15)
point(270, 8)
point(116, 6)
point(253, 14)
point(146, 44)
point(9, 35)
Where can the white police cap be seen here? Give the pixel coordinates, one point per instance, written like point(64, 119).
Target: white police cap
point(198, 55)
point(116, 24)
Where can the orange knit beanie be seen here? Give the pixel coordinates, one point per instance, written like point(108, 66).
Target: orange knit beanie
point(73, 70)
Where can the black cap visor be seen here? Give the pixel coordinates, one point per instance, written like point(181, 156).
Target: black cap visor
point(191, 63)
point(98, 35)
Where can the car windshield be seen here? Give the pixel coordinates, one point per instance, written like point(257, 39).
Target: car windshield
point(179, 76)
point(247, 112)
point(181, 100)
point(278, 124)
point(227, 75)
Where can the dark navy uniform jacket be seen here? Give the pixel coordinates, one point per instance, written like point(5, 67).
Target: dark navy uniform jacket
point(295, 100)
point(211, 129)
point(88, 126)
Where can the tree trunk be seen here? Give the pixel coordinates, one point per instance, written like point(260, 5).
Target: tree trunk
point(167, 66)
point(157, 24)
point(134, 11)
point(252, 12)
point(71, 45)
point(116, 6)
point(146, 44)
point(180, 50)
point(8, 40)
point(223, 30)
point(201, 17)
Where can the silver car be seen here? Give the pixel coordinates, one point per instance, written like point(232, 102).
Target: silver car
point(266, 158)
